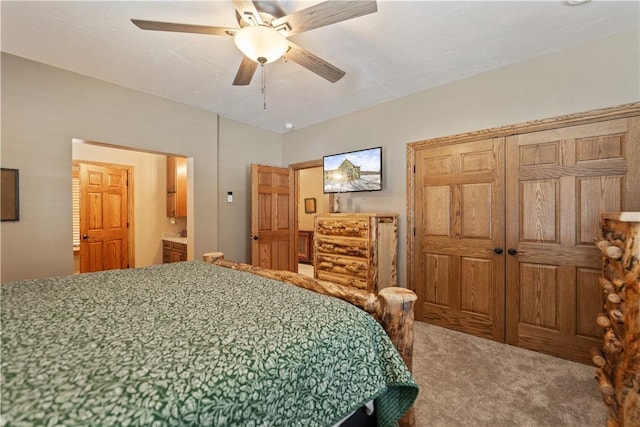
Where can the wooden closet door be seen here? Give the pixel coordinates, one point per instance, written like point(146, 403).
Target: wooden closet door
point(558, 183)
point(459, 205)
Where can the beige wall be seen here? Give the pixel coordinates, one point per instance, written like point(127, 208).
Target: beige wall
point(43, 108)
point(149, 196)
point(310, 181)
point(598, 74)
point(240, 146)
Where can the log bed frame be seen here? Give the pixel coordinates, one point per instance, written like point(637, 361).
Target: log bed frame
point(392, 307)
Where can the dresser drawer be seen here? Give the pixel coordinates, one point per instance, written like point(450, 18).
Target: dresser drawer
point(352, 266)
point(343, 246)
point(351, 227)
point(341, 279)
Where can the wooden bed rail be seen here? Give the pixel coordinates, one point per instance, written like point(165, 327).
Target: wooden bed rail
point(393, 307)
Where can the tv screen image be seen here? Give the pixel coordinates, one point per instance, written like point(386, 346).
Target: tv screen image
point(359, 170)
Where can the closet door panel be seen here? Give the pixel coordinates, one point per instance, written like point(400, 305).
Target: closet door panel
point(539, 287)
point(437, 220)
point(437, 281)
point(477, 277)
point(589, 300)
point(558, 183)
point(539, 212)
point(475, 212)
point(608, 192)
point(460, 208)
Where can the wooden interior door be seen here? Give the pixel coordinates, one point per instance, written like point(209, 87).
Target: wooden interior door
point(272, 218)
point(103, 218)
point(459, 236)
point(558, 183)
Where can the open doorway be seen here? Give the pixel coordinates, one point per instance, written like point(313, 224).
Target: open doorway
point(148, 219)
point(310, 201)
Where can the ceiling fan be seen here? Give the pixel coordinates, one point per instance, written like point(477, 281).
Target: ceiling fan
point(264, 31)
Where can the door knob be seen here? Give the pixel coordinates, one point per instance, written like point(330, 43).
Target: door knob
point(85, 237)
point(498, 250)
point(254, 237)
point(512, 251)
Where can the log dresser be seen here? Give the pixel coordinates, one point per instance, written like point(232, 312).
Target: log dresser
point(618, 361)
point(359, 250)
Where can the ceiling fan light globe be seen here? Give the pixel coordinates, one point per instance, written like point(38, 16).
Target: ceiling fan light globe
point(261, 43)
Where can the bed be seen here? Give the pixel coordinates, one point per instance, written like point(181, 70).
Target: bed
point(201, 343)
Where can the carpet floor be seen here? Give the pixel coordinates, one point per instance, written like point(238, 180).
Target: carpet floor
point(468, 381)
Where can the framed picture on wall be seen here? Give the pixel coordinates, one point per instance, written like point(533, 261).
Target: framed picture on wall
point(310, 205)
point(9, 203)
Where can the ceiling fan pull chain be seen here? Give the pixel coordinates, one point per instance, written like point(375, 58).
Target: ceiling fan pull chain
point(264, 92)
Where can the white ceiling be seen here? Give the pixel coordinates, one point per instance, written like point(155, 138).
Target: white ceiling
point(403, 48)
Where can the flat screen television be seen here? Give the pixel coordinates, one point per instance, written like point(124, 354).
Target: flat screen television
point(353, 171)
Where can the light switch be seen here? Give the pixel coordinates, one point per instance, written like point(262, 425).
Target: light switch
point(229, 196)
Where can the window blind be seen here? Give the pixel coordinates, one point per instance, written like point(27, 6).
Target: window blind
point(76, 209)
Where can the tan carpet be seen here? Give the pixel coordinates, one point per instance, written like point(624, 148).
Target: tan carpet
point(468, 381)
point(306, 269)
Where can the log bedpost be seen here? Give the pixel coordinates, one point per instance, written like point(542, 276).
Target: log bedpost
point(212, 257)
point(395, 313)
point(618, 360)
point(393, 307)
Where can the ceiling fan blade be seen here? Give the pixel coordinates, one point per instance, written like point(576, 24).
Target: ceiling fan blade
point(247, 11)
point(245, 72)
point(313, 63)
point(183, 28)
point(326, 13)
point(269, 7)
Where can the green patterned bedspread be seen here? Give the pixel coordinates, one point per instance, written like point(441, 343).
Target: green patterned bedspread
point(190, 344)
